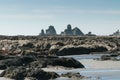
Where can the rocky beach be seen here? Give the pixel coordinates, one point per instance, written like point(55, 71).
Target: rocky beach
point(56, 57)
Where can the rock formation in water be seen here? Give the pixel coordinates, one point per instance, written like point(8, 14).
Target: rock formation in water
point(51, 31)
point(42, 33)
point(90, 34)
point(117, 33)
point(72, 32)
point(77, 32)
point(68, 31)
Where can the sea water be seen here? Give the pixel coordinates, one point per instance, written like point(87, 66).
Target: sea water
point(94, 74)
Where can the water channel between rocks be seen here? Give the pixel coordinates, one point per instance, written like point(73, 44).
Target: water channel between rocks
point(97, 70)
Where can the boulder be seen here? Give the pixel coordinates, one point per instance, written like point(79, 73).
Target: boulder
point(77, 50)
point(16, 61)
point(65, 62)
point(72, 50)
point(20, 73)
point(73, 75)
point(41, 75)
point(54, 61)
point(14, 73)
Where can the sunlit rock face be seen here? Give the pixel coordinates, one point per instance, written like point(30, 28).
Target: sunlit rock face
point(51, 31)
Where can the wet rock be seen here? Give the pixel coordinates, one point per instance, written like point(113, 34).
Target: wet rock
point(105, 57)
point(16, 61)
point(114, 57)
point(73, 75)
point(55, 61)
point(41, 75)
point(2, 56)
point(20, 73)
point(65, 62)
point(14, 73)
point(72, 50)
point(30, 78)
point(2, 67)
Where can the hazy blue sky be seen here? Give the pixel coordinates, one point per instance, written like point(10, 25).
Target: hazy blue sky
point(19, 17)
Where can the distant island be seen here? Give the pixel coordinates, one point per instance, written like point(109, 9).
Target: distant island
point(51, 31)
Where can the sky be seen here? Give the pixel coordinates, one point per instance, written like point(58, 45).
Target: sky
point(28, 17)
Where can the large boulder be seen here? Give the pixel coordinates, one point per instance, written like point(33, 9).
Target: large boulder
point(15, 61)
point(41, 75)
point(55, 61)
point(19, 73)
point(77, 50)
point(72, 50)
point(14, 73)
point(65, 62)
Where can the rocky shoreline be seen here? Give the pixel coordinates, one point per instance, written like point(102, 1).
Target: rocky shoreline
point(58, 45)
point(23, 56)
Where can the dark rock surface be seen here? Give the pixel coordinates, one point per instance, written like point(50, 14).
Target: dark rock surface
point(73, 75)
point(39, 61)
point(21, 67)
point(77, 50)
point(113, 56)
point(20, 73)
point(16, 61)
point(65, 62)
